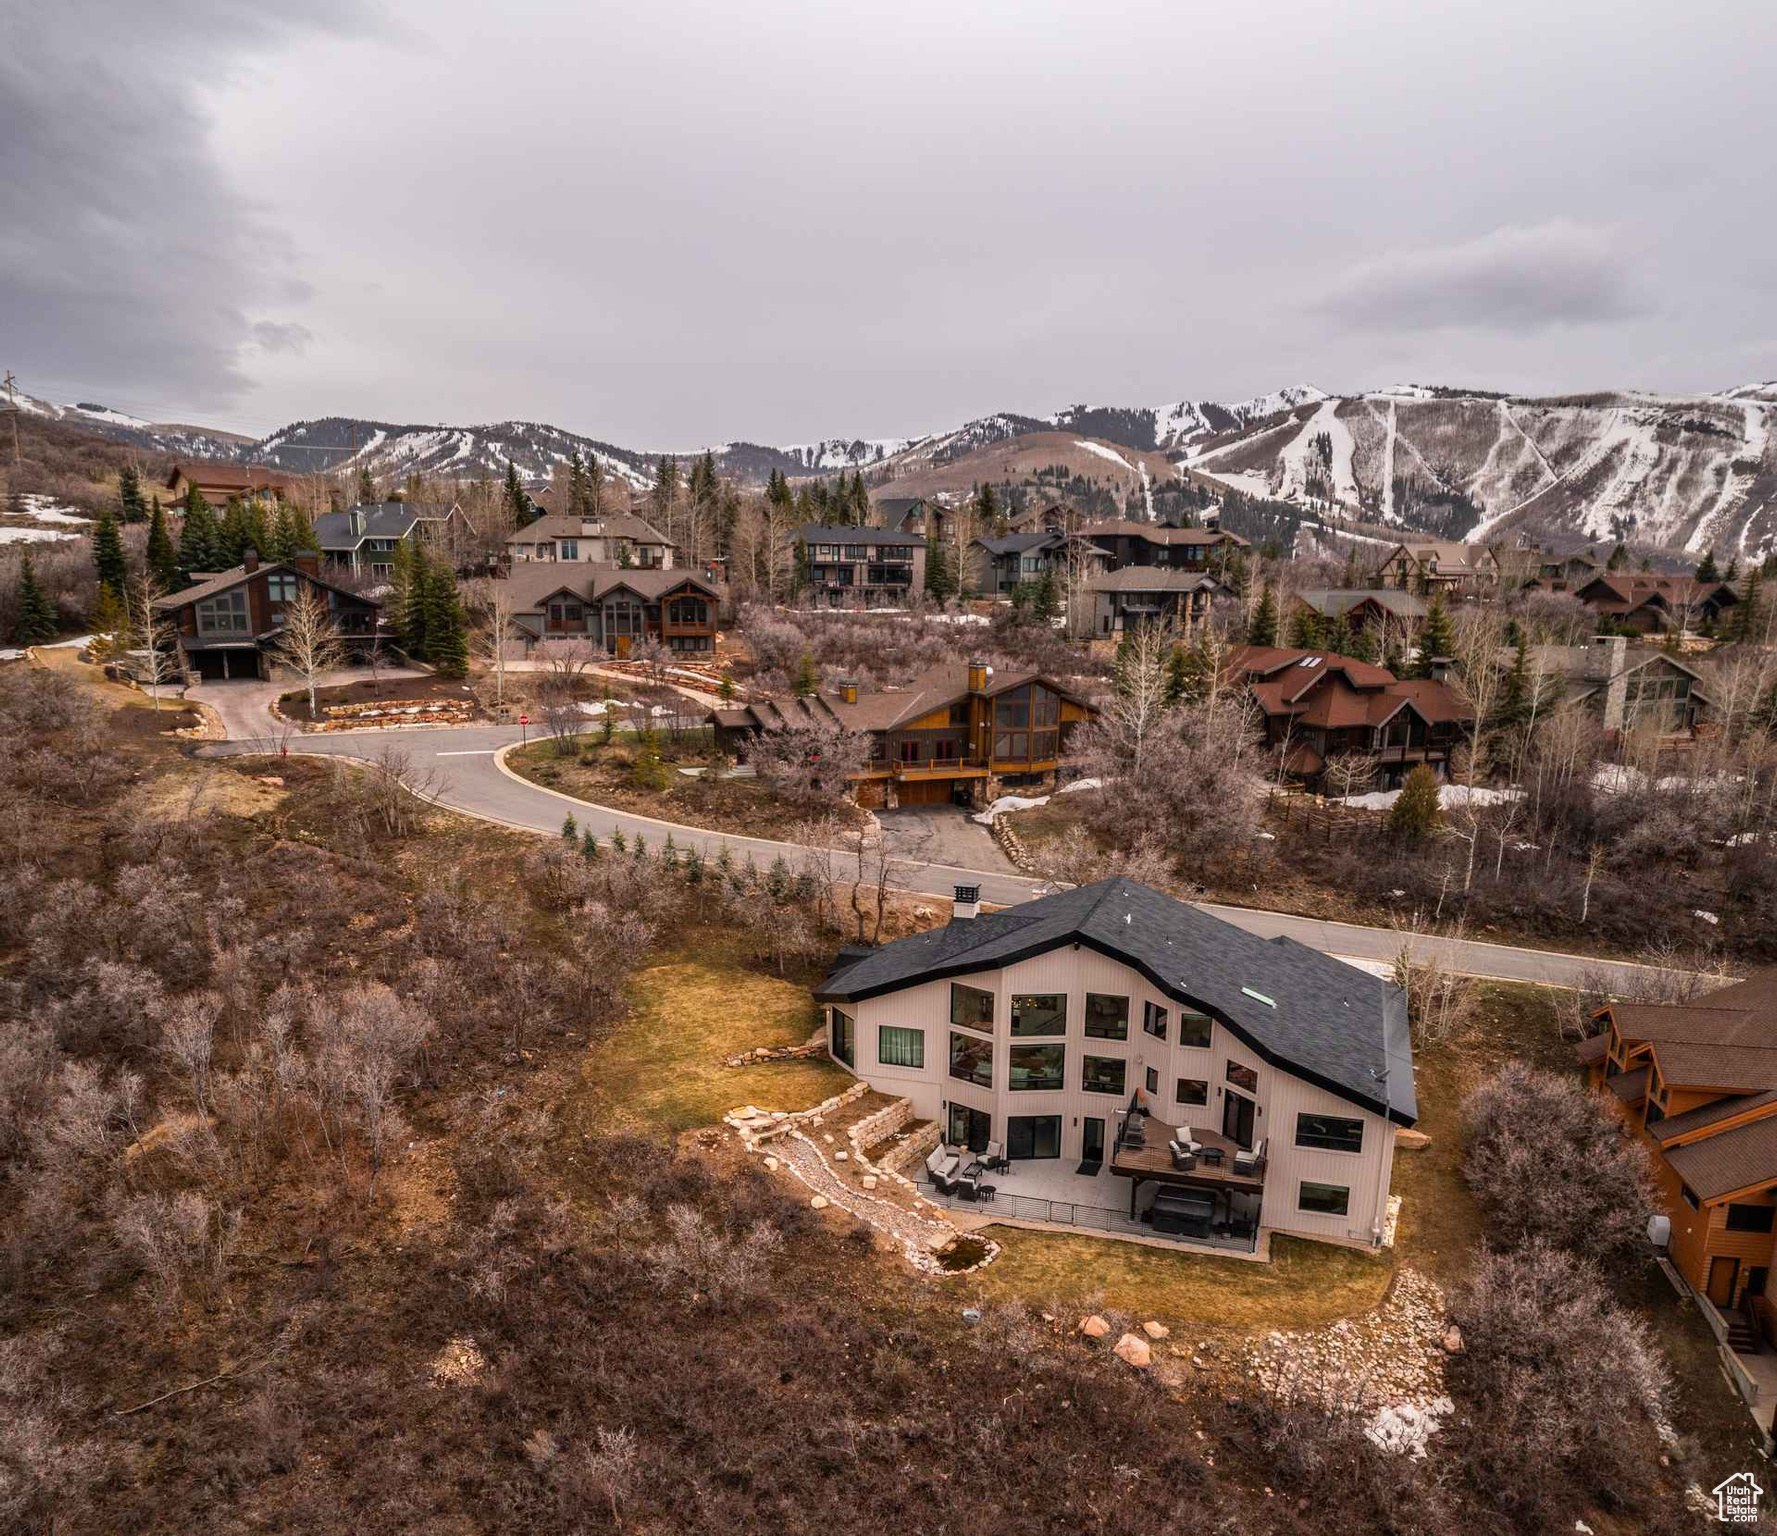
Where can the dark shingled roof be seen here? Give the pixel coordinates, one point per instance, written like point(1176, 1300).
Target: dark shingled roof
point(1630, 1087)
point(1674, 1127)
point(840, 533)
point(1590, 1050)
point(1327, 1022)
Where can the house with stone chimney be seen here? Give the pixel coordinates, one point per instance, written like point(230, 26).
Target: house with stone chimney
point(952, 736)
point(1626, 687)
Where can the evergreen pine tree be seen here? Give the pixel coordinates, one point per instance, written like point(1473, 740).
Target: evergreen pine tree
point(200, 540)
point(1619, 557)
point(447, 641)
point(367, 494)
point(1177, 678)
point(1733, 574)
point(108, 559)
point(940, 580)
point(1514, 693)
point(570, 830)
point(1363, 646)
point(589, 847)
point(1261, 629)
point(1416, 812)
point(409, 616)
point(987, 509)
point(1437, 638)
point(163, 559)
point(1749, 618)
point(109, 623)
point(518, 505)
point(1706, 570)
point(808, 679)
point(131, 505)
point(725, 690)
point(1305, 628)
point(36, 621)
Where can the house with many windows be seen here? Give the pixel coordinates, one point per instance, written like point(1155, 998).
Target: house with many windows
point(844, 567)
point(1697, 1084)
point(1437, 565)
point(954, 735)
point(1625, 688)
point(363, 538)
point(610, 607)
point(226, 625)
point(1140, 1064)
point(621, 539)
point(1146, 594)
point(1189, 549)
point(1020, 557)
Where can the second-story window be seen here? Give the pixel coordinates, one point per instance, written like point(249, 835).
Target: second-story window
point(281, 588)
point(223, 614)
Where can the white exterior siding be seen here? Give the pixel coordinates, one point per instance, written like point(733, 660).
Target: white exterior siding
point(1075, 970)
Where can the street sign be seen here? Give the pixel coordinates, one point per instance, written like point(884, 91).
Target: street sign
point(524, 719)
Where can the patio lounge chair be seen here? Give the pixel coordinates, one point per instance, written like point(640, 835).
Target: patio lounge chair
point(964, 1188)
point(1181, 1159)
point(1186, 1140)
point(994, 1159)
point(1250, 1162)
point(943, 1162)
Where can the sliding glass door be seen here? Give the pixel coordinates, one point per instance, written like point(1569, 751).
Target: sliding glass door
point(970, 1128)
point(1033, 1136)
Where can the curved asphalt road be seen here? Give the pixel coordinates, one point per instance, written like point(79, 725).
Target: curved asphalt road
point(469, 778)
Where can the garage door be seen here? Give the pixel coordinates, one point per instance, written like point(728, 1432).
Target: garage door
point(926, 792)
point(234, 665)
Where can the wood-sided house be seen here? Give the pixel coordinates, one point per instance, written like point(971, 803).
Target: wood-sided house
point(1318, 705)
point(364, 537)
point(954, 735)
point(1438, 565)
point(227, 625)
point(1128, 543)
point(1697, 1083)
point(1635, 603)
point(217, 483)
point(612, 607)
point(1052, 1035)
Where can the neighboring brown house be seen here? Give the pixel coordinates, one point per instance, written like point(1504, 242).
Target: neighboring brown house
point(913, 515)
point(218, 482)
point(1190, 549)
point(1318, 705)
point(612, 607)
point(1434, 565)
point(227, 625)
point(1624, 688)
point(1376, 608)
point(952, 735)
point(1645, 605)
point(1561, 573)
point(1697, 1083)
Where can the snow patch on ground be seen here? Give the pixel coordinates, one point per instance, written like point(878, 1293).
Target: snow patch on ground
point(1449, 797)
point(1068, 789)
point(1007, 804)
point(46, 509)
point(1105, 453)
point(31, 535)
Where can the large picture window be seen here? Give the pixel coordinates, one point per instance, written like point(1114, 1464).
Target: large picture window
point(1194, 1029)
point(1033, 1136)
point(1193, 1090)
point(1243, 1077)
point(1036, 1068)
point(1750, 1218)
point(970, 1128)
point(1107, 1017)
point(845, 1038)
point(1103, 1074)
point(1323, 1199)
point(224, 614)
point(1039, 1013)
point(899, 1047)
point(1330, 1133)
point(971, 1060)
point(971, 1007)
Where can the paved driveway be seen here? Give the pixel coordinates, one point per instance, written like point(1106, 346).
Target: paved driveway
point(942, 834)
point(244, 706)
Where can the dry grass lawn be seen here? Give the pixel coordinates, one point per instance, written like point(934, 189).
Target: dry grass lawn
point(663, 1068)
point(1305, 1285)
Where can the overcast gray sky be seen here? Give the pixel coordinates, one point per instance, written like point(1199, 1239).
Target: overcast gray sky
point(675, 223)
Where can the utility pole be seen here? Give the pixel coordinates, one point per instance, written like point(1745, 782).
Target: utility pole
point(12, 403)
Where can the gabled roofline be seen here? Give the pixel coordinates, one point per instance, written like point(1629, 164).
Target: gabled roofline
point(964, 967)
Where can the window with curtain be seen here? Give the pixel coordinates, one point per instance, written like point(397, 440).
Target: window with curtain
point(900, 1047)
point(1330, 1133)
point(1153, 1020)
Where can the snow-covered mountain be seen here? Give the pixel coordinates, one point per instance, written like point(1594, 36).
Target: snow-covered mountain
point(1684, 472)
point(1681, 472)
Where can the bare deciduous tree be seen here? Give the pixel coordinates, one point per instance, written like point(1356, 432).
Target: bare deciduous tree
point(308, 642)
point(153, 633)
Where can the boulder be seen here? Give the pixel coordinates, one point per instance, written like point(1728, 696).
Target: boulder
point(869, 1181)
point(1133, 1349)
point(1094, 1327)
point(771, 1164)
point(841, 1157)
point(1452, 1340)
point(1156, 1330)
point(1408, 1140)
point(819, 1202)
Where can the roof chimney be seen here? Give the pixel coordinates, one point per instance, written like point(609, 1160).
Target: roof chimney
point(977, 677)
point(848, 690)
point(967, 903)
point(1441, 667)
point(249, 559)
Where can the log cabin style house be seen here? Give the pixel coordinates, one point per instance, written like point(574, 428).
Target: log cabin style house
point(1318, 705)
point(226, 626)
point(955, 735)
point(1111, 1049)
point(1697, 1084)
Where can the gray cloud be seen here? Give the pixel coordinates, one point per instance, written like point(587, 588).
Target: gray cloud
point(128, 262)
point(678, 223)
point(287, 336)
point(1512, 279)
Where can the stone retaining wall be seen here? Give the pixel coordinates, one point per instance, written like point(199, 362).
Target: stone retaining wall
point(906, 1156)
point(884, 1123)
point(814, 1045)
point(760, 1125)
point(1012, 844)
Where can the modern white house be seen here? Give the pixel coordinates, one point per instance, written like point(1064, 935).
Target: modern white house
point(1135, 1064)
